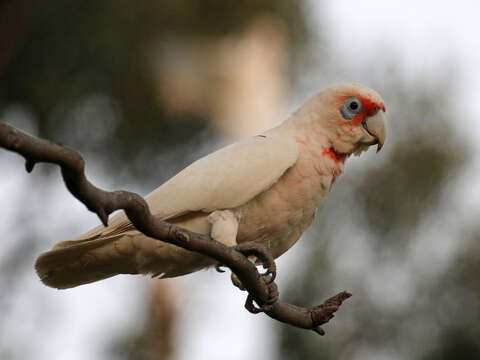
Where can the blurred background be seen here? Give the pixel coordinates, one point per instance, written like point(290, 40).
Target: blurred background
point(144, 88)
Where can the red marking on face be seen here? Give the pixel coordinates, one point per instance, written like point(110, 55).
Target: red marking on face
point(335, 156)
point(369, 108)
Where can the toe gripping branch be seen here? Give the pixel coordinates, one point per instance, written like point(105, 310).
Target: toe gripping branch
point(260, 286)
point(259, 255)
point(263, 257)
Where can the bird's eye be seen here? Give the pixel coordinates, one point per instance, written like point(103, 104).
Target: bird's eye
point(351, 108)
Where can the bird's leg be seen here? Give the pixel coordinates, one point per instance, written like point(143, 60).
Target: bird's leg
point(224, 229)
point(258, 253)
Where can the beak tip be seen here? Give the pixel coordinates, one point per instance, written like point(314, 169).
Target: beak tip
point(375, 126)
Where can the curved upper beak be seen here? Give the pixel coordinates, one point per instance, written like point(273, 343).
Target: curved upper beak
point(375, 126)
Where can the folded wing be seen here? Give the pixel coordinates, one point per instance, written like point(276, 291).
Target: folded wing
point(225, 179)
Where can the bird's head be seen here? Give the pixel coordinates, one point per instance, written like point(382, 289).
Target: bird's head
point(351, 116)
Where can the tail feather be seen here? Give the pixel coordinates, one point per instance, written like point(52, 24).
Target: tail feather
point(119, 249)
point(78, 262)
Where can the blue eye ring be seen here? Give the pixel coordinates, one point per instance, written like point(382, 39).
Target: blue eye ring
point(351, 108)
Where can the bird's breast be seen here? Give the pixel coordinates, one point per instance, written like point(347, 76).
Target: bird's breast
point(279, 216)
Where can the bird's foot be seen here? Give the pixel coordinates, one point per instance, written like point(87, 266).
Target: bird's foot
point(265, 306)
point(249, 304)
point(259, 255)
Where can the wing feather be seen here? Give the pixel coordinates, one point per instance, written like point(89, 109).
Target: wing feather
point(227, 178)
point(224, 179)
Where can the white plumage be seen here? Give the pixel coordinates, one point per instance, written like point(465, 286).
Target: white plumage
point(265, 188)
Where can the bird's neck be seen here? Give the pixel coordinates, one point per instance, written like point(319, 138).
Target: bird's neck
point(316, 141)
point(318, 162)
point(335, 155)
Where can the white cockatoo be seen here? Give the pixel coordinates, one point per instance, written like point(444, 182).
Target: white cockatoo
point(264, 189)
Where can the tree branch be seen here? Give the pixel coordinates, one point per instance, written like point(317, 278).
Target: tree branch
point(103, 203)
